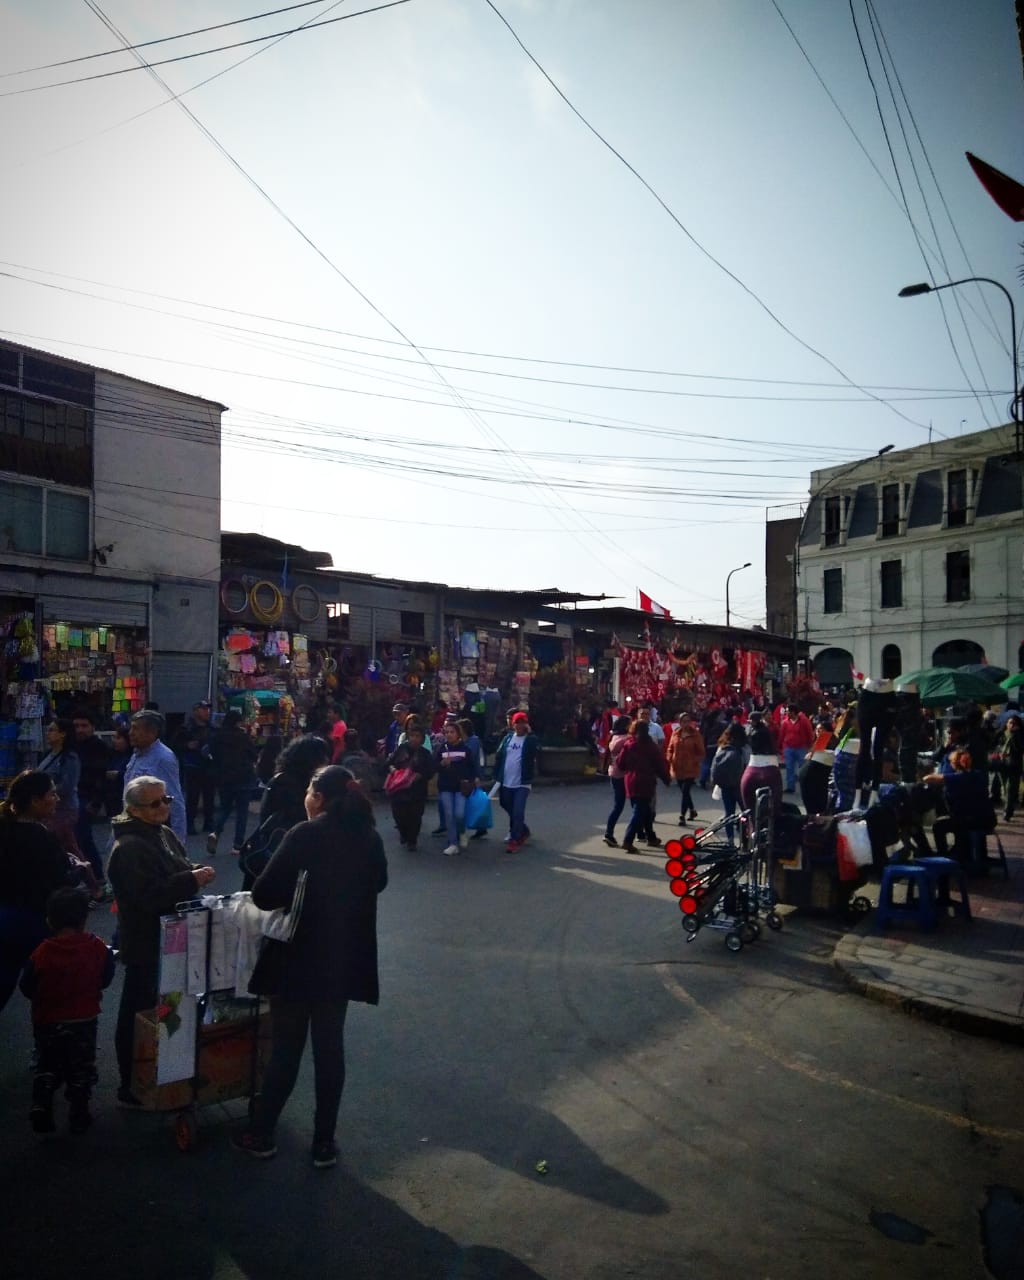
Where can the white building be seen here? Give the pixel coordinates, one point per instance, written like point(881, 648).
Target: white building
point(914, 559)
point(109, 533)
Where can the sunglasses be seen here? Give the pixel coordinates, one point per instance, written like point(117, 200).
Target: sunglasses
point(156, 804)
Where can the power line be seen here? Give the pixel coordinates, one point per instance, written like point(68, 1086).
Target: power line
point(202, 53)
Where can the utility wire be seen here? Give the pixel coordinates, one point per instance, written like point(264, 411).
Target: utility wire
point(202, 53)
point(706, 253)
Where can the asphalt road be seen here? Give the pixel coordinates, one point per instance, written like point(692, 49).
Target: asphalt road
point(700, 1113)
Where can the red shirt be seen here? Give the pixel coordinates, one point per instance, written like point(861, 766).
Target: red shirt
point(65, 976)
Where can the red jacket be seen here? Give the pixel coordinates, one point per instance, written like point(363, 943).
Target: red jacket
point(65, 977)
point(796, 733)
point(642, 764)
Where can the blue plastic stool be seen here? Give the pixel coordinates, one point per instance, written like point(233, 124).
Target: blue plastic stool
point(919, 907)
point(945, 874)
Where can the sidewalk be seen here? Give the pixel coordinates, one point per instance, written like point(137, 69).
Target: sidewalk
point(967, 974)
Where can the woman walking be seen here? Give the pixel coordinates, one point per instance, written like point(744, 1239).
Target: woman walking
point(619, 738)
point(456, 778)
point(642, 765)
point(331, 959)
point(762, 769)
point(727, 766)
point(284, 802)
point(408, 804)
point(685, 758)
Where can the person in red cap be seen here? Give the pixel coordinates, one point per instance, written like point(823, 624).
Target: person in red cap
point(514, 767)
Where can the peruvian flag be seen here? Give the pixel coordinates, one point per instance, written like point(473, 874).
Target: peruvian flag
point(651, 606)
point(1005, 191)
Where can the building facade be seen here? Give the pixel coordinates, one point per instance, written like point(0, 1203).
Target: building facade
point(914, 559)
point(109, 538)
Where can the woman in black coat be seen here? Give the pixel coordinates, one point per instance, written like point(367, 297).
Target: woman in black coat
point(331, 959)
point(283, 804)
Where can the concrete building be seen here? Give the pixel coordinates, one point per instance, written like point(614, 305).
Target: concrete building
point(109, 535)
point(914, 559)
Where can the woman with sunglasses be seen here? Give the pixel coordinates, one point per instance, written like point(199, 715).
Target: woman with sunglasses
point(150, 875)
point(32, 865)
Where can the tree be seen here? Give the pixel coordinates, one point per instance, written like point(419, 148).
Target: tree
point(554, 703)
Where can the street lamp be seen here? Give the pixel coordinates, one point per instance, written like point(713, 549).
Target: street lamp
point(915, 291)
point(886, 448)
point(727, 577)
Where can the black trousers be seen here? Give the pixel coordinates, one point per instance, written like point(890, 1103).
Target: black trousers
point(876, 719)
point(65, 1055)
point(138, 992)
point(408, 816)
point(908, 726)
point(685, 796)
point(200, 786)
point(290, 1022)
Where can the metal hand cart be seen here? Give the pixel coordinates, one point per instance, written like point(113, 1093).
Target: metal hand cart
point(223, 1057)
point(720, 886)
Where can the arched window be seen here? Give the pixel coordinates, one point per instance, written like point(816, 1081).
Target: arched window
point(833, 666)
point(957, 653)
point(892, 662)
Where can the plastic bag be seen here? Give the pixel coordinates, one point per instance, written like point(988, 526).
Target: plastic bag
point(716, 792)
point(479, 816)
point(853, 849)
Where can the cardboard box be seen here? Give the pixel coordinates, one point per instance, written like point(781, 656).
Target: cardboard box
point(225, 1063)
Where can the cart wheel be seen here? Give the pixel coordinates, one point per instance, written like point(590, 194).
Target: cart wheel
point(733, 942)
point(186, 1130)
point(690, 924)
point(750, 932)
point(773, 921)
point(860, 905)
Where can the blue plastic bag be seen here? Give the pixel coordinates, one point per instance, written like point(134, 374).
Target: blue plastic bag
point(478, 811)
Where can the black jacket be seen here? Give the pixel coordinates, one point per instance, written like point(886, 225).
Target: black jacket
point(420, 760)
point(234, 758)
point(150, 875)
point(333, 955)
point(94, 757)
point(32, 865)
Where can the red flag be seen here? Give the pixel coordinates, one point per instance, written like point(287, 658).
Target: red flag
point(651, 606)
point(1006, 192)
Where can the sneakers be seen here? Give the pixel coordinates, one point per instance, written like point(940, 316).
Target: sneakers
point(211, 843)
point(694, 815)
point(478, 834)
point(127, 1100)
point(513, 846)
point(252, 1144)
point(682, 820)
point(325, 1155)
point(451, 850)
point(610, 841)
point(463, 841)
point(653, 842)
point(629, 848)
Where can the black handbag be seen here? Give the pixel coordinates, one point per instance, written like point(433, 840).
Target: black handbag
point(261, 846)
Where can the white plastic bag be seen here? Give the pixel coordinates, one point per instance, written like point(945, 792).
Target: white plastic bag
point(716, 792)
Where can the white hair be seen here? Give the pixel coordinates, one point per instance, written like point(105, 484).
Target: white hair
point(137, 788)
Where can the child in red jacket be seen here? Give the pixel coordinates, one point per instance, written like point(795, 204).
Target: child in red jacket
point(64, 978)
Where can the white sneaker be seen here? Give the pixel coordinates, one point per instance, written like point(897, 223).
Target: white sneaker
point(451, 849)
point(463, 841)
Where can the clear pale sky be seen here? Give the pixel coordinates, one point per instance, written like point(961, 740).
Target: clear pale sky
point(427, 165)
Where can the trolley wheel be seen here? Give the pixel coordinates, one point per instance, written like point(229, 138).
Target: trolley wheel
point(733, 942)
point(859, 906)
point(690, 924)
point(186, 1130)
point(773, 920)
point(750, 931)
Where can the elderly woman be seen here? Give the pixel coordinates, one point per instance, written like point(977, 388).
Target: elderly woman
point(32, 865)
point(150, 875)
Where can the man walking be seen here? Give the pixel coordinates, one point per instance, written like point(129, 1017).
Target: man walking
point(152, 759)
point(514, 767)
point(94, 757)
point(192, 746)
point(796, 733)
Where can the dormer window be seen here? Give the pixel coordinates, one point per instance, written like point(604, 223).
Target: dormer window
point(889, 523)
point(956, 499)
point(832, 520)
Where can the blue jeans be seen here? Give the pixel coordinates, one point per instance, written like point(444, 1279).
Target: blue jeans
point(794, 758)
point(234, 798)
point(513, 801)
point(618, 804)
point(453, 810)
point(730, 803)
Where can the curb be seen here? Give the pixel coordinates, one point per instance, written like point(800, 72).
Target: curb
point(944, 1012)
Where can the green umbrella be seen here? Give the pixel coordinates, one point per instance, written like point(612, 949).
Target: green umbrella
point(941, 686)
point(1013, 682)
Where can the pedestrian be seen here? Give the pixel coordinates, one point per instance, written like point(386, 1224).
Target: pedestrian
point(65, 977)
point(330, 960)
point(401, 713)
point(234, 769)
point(619, 738)
point(514, 766)
point(334, 729)
point(712, 725)
point(32, 866)
point(642, 765)
point(93, 758)
point(685, 758)
point(408, 804)
point(727, 766)
point(357, 761)
point(456, 779)
point(796, 733)
point(120, 754)
point(284, 802)
point(151, 758)
point(1011, 751)
point(762, 769)
point(439, 717)
point(192, 747)
point(150, 875)
point(62, 764)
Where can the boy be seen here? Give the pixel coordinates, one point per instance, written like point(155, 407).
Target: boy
point(64, 978)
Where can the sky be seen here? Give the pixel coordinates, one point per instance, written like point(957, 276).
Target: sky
point(538, 293)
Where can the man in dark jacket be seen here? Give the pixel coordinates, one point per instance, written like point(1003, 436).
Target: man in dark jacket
point(234, 768)
point(150, 875)
point(192, 747)
point(94, 757)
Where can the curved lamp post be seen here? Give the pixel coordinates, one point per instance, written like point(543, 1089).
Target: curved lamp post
point(727, 577)
point(915, 290)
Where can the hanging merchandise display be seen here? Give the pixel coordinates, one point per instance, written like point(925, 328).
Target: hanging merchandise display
point(266, 602)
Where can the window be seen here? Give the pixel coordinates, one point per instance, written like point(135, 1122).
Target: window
point(413, 624)
point(892, 662)
point(832, 589)
point(890, 522)
point(39, 521)
point(892, 584)
point(833, 520)
point(958, 575)
point(46, 413)
point(338, 620)
point(956, 500)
